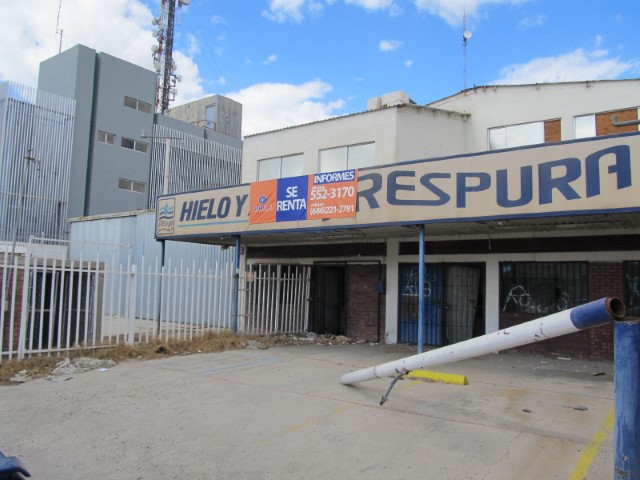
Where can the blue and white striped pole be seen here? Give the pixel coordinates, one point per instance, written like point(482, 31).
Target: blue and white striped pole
point(572, 320)
point(626, 341)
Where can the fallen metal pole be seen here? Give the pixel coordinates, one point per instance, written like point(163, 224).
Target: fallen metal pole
point(572, 320)
point(626, 346)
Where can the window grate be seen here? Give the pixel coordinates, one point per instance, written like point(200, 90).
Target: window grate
point(542, 288)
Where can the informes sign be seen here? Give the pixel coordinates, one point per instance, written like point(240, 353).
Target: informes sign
point(308, 197)
point(333, 195)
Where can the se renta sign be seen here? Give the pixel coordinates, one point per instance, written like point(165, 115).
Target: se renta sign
point(294, 199)
point(594, 176)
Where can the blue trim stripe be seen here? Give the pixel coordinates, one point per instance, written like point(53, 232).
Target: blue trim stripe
point(590, 315)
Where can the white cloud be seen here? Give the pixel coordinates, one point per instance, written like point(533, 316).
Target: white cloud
point(408, 63)
point(194, 45)
point(190, 88)
point(372, 4)
point(532, 22)
point(294, 10)
point(598, 41)
point(283, 10)
point(270, 106)
point(453, 11)
point(389, 45)
point(119, 27)
point(270, 59)
point(572, 66)
point(218, 20)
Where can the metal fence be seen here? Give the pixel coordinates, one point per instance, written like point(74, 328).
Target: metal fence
point(55, 304)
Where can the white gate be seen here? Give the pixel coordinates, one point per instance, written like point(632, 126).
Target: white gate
point(276, 299)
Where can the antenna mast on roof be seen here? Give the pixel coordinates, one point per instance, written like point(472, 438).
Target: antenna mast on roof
point(58, 29)
point(163, 53)
point(466, 35)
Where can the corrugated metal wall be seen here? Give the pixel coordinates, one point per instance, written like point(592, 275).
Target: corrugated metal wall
point(133, 234)
point(36, 132)
point(125, 240)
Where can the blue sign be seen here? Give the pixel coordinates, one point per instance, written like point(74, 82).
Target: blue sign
point(291, 203)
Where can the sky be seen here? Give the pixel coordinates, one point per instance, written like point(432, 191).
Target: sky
point(291, 62)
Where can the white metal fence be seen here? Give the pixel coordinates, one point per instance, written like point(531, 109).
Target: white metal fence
point(52, 305)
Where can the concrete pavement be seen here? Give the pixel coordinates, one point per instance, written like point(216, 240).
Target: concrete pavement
point(281, 413)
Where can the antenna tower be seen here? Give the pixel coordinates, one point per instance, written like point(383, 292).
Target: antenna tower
point(58, 29)
point(466, 35)
point(163, 53)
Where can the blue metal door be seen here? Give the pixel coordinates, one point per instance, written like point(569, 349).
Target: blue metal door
point(408, 304)
point(453, 306)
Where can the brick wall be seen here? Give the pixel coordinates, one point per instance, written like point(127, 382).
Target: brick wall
point(604, 125)
point(552, 131)
point(605, 280)
point(365, 307)
point(7, 335)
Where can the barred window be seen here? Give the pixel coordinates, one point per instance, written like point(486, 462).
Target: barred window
point(542, 288)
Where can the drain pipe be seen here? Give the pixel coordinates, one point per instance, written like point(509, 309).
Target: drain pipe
point(626, 346)
point(572, 320)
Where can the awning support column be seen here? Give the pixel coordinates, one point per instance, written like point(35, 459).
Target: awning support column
point(421, 283)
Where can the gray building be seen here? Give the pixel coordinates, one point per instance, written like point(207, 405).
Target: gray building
point(120, 143)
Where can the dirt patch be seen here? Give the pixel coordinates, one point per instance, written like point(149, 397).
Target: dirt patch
point(41, 366)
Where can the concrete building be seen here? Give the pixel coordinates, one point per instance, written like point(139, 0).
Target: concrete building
point(526, 194)
point(120, 144)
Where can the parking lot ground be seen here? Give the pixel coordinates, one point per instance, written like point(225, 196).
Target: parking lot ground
point(282, 413)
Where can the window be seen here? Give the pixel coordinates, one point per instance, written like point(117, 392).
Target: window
point(131, 185)
point(137, 104)
point(516, 135)
point(542, 288)
point(584, 126)
point(106, 137)
point(137, 145)
point(210, 116)
point(281, 167)
point(599, 124)
point(347, 158)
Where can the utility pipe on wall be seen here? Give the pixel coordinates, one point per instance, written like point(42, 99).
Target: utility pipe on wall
point(572, 320)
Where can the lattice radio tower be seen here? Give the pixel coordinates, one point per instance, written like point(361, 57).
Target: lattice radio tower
point(163, 53)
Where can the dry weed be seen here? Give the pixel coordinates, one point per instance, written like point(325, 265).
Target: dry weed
point(39, 366)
